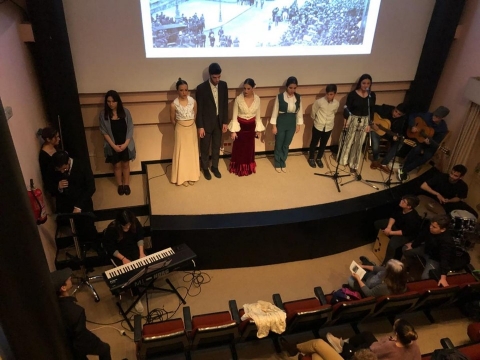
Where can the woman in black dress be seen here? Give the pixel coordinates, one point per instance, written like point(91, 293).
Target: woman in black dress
point(51, 139)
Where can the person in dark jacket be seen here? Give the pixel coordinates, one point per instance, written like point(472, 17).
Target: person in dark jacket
point(81, 340)
point(436, 247)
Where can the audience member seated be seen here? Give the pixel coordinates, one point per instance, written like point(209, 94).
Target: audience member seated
point(402, 345)
point(82, 341)
point(436, 247)
point(51, 139)
point(426, 146)
point(401, 227)
point(123, 241)
point(449, 189)
point(379, 280)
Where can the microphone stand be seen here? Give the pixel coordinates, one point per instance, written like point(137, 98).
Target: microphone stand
point(358, 176)
point(335, 176)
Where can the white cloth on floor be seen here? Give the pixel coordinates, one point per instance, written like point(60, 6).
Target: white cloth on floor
point(267, 317)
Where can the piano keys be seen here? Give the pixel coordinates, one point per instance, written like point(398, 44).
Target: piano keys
point(139, 272)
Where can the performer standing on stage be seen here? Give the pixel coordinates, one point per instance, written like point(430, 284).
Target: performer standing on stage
point(51, 139)
point(212, 118)
point(323, 115)
point(185, 162)
point(396, 116)
point(360, 104)
point(116, 125)
point(246, 123)
point(449, 190)
point(287, 116)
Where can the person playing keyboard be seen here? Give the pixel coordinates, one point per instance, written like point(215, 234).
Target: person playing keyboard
point(123, 241)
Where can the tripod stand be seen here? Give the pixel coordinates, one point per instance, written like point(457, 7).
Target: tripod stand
point(335, 176)
point(388, 182)
point(80, 249)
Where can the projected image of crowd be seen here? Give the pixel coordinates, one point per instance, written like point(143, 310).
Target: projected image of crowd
point(307, 23)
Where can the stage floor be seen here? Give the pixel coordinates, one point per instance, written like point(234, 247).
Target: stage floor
point(266, 190)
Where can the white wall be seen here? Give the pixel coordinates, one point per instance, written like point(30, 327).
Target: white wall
point(19, 90)
point(108, 52)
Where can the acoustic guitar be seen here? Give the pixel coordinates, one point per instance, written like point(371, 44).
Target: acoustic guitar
point(384, 128)
point(425, 132)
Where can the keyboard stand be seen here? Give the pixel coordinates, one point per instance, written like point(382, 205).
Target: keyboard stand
point(146, 287)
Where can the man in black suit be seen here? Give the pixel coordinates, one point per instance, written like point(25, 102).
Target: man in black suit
point(212, 118)
point(73, 186)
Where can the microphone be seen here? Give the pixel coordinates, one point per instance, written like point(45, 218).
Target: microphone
point(368, 89)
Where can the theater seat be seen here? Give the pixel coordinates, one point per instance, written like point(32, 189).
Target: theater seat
point(432, 296)
point(211, 330)
point(351, 312)
point(393, 305)
point(473, 331)
point(160, 338)
point(305, 314)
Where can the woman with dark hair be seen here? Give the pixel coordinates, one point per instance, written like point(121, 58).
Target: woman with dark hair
point(379, 280)
point(287, 116)
point(51, 139)
point(401, 346)
point(246, 124)
point(123, 239)
point(116, 126)
point(358, 115)
point(185, 161)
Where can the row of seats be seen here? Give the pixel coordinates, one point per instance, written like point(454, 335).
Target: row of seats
point(472, 351)
point(311, 314)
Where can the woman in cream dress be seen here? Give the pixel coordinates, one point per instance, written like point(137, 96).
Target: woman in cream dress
point(245, 125)
point(185, 161)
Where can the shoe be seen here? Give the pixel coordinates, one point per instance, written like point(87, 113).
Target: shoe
point(216, 172)
point(291, 349)
point(319, 163)
point(207, 174)
point(278, 170)
point(139, 307)
point(366, 261)
point(185, 184)
point(385, 169)
point(352, 171)
point(375, 164)
point(127, 190)
point(337, 343)
point(284, 170)
point(312, 164)
point(191, 183)
point(401, 175)
point(120, 190)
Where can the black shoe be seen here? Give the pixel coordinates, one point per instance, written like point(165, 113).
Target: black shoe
point(366, 261)
point(311, 162)
point(121, 190)
point(207, 174)
point(319, 163)
point(291, 349)
point(216, 172)
point(126, 189)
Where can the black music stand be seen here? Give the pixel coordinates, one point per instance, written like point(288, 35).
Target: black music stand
point(80, 252)
point(149, 285)
point(335, 176)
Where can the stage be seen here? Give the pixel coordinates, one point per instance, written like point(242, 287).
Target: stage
point(270, 217)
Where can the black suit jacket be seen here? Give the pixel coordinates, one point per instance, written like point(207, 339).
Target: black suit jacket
point(81, 187)
point(206, 109)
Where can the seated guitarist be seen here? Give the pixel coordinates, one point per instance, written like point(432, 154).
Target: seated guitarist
point(427, 146)
point(396, 116)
